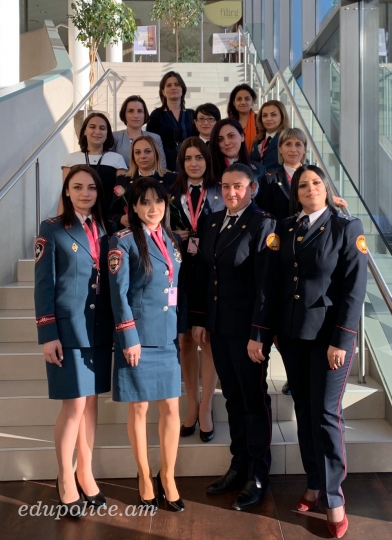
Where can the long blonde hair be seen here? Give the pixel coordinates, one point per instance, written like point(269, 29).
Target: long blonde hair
point(157, 157)
point(284, 124)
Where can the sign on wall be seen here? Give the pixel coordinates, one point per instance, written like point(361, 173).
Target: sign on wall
point(226, 43)
point(224, 14)
point(146, 40)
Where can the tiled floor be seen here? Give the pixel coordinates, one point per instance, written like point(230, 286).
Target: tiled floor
point(368, 496)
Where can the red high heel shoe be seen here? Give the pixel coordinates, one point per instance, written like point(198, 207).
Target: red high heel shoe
point(339, 528)
point(303, 505)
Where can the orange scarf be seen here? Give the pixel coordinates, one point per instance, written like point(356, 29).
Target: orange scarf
point(250, 130)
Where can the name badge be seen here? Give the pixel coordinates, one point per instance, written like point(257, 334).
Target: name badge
point(193, 244)
point(172, 300)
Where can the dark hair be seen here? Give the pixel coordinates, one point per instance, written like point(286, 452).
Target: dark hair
point(295, 205)
point(162, 86)
point(208, 108)
point(241, 168)
point(107, 145)
point(181, 181)
point(284, 118)
point(123, 109)
point(218, 159)
point(138, 192)
point(231, 110)
point(69, 212)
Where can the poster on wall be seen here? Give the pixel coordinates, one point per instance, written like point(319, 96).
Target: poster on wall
point(226, 43)
point(146, 40)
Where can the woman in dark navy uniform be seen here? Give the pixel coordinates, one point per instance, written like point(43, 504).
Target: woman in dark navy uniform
point(75, 326)
point(322, 282)
point(144, 262)
point(194, 195)
point(271, 119)
point(145, 161)
point(227, 146)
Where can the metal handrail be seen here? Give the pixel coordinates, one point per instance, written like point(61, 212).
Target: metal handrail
point(34, 157)
point(378, 278)
point(243, 34)
point(99, 63)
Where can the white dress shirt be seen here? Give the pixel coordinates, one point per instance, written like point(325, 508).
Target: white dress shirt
point(312, 217)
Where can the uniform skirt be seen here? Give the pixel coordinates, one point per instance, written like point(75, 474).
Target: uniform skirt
point(84, 372)
point(157, 375)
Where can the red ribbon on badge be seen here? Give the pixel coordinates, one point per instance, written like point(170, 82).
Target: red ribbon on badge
point(194, 215)
point(93, 240)
point(158, 239)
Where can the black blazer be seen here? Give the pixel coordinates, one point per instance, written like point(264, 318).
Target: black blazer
point(322, 284)
point(274, 194)
point(117, 208)
point(270, 158)
point(236, 287)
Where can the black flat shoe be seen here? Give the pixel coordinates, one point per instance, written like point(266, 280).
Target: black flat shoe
point(226, 483)
point(207, 436)
point(97, 500)
point(149, 503)
point(74, 509)
point(173, 506)
point(250, 495)
point(186, 431)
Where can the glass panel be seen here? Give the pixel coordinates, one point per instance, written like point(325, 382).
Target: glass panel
point(295, 31)
point(324, 10)
point(276, 31)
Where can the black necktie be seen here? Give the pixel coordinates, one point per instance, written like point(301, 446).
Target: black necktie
point(225, 233)
point(303, 227)
point(267, 141)
point(89, 224)
point(195, 196)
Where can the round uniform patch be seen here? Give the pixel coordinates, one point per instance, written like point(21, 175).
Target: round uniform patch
point(361, 244)
point(273, 242)
point(115, 260)
point(39, 248)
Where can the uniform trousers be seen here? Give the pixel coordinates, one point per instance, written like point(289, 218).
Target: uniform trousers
point(317, 392)
point(248, 405)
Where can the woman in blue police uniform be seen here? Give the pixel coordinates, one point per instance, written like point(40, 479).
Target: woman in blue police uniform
point(75, 326)
point(322, 288)
point(144, 263)
point(195, 195)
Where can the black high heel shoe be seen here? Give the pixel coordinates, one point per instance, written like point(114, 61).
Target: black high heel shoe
point(185, 431)
point(173, 506)
point(207, 436)
point(97, 500)
point(150, 503)
point(74, 509)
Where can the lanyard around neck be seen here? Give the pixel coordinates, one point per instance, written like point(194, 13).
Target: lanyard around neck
point(194, 215)
point(157, 236)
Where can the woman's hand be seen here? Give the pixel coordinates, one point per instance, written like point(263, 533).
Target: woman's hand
point(124, 220)
point(338, 201)
point(336, 357)
point(132, 355)
point(182, 234)
point(199, 334)
point(255, 351)
point(53, 352)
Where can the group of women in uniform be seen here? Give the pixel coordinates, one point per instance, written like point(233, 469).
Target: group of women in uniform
point(85, 273)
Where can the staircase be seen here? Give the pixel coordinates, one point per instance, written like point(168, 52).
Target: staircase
point(27, 416)
point(205, 83)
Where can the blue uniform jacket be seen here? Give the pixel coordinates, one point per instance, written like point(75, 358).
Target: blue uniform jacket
point(236, 288)
point(322, 285)
point(274, 194)
point(140, 303)
point(270, 158)
point(67, 305)
point(122, 145)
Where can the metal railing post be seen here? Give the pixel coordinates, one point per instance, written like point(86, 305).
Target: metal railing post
point(361, 348)
point(115, 104)
point(37, 199)
point(239, 46)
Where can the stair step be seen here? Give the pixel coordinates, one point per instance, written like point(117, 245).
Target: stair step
point(25, 270)
point(21, 361)
point(27, 452)
point(17, 325)
point(26, 402)
point(18, 295)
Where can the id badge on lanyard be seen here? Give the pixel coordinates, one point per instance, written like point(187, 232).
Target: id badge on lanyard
point(193, 241)
point(172, 291)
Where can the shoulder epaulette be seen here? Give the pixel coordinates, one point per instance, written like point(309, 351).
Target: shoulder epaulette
point(272, 172)
point(123, 233)
point(343, 216)
point(52, 220)
point(265, 214)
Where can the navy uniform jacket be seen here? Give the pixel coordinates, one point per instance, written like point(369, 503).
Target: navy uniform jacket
point(67, 305)
point(140, 303)
point(236, 289)
point(322, 285)
point(270, 158)
point(274, 194)
point(118, 205)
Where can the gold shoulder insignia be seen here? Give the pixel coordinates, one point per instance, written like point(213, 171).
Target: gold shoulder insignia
point(361, 244)
point(273, 242)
